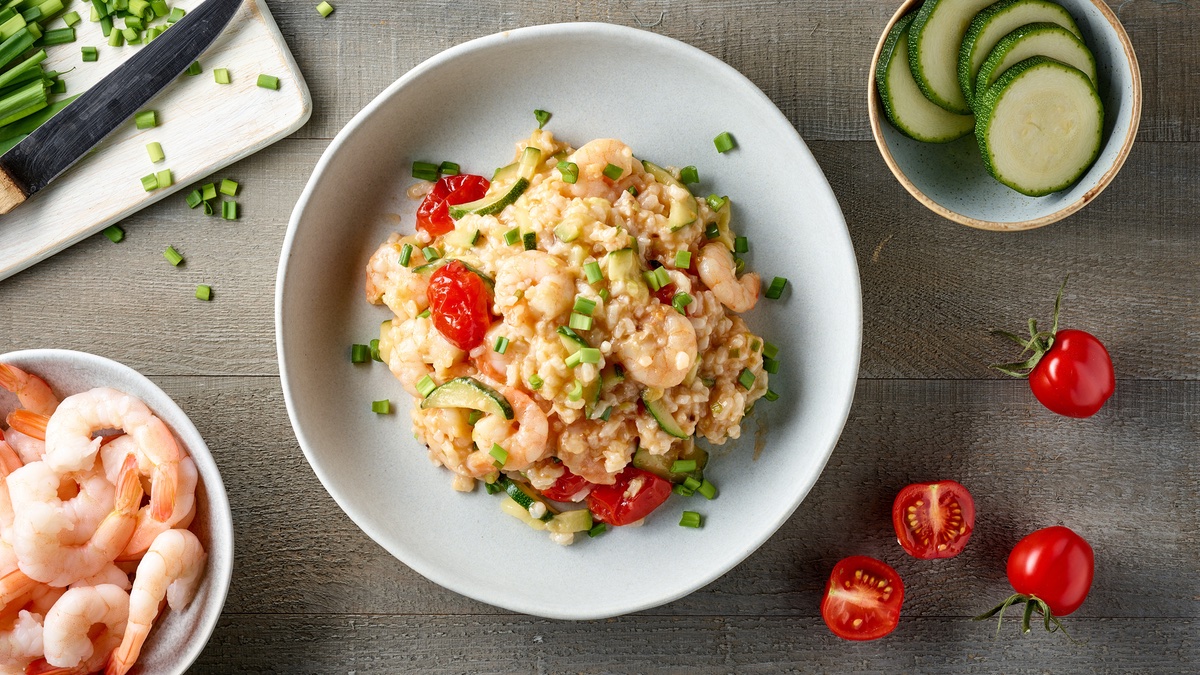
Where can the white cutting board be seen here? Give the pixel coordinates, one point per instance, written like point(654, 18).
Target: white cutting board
point(203, 126)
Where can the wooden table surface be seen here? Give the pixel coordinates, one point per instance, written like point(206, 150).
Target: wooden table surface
point(311, 593)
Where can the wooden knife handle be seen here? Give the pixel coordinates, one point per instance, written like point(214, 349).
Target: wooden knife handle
point(11, 195)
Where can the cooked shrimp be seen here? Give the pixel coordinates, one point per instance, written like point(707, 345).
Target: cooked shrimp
point(534, 282)
point(592, 159)
point(112, 456)
point(28, 448)
point(419, 349)
point(394, 284)
point(172, 568)
point(14, 585)
point(31, 390)
point(660, 350)
point(109, 574)
point(70, 446)
point(10, 461)
point(29, 423)
point(20, 641)
point(492, 363)
point(70, 637)
point(523, 438)
point(43, 536)
point(718, 273)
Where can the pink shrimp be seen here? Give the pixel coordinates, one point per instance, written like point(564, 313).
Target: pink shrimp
point(31, 390)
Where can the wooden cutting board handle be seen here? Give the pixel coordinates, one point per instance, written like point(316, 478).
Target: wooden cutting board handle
point(11, 196)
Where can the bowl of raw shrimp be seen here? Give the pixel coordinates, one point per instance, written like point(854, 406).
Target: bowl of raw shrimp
point(116, 536)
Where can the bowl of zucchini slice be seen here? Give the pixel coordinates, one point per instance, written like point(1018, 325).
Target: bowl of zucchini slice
point(1005, 115)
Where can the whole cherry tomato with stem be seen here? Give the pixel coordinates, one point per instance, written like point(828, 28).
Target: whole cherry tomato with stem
point(1069, 371)
point(862, 599)
point(933, 520)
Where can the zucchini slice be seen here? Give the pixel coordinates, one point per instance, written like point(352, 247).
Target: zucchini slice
point(683, 211)
point(666, 422)
point(934, 40)
point(1036, 39)
point(993, 23)
point(1039, 127)
point(468, 392)
point(496, 203)
point(526, 497)
point(660, 465)
point(577, 520)
point(905, 106)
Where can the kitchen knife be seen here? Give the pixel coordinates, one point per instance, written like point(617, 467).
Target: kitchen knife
point(60, 142)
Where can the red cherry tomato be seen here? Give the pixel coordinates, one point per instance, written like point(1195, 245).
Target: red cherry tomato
point(1055, 565)
point(933, 520)
point(862, 599)
point(665, 294)
point(1075, 377)
point(433, 216)
point(568, 485)
point(459, 302)
point(611, 504)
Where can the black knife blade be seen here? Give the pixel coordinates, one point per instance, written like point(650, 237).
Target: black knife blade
point(69, 135)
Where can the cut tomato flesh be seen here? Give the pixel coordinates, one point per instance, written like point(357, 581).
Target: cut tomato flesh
point(862, 599)
point(933, 520)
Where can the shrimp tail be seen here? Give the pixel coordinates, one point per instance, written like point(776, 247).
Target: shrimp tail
point(162, 490)
point(15, 584)
point(124, 656)
point(129, 488)
point(31, 390)
point(29, 423)
point(10, 461)
point(43, 667)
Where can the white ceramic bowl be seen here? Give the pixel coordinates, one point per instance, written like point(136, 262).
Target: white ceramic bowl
point(178, 637)
point(470, 105)
point(950, 178)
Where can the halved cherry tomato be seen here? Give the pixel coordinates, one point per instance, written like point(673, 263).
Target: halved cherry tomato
point(433, 216)
point(635, 494)
point(568, 485)
point(933, 520)
point(1075, 377)
point(1055, 565)
point(665, 294)
point(862, 599)
point(459, 302)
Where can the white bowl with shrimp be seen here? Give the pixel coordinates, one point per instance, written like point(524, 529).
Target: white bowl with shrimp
point(177, 637)
point(667, 101)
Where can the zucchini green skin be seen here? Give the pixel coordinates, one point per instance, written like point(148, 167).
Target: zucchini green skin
point(1030, 34)
point(985, 118)
point(941, 20)
point(467, 392)
point(491, 205)
point(665, 420)
point(950, 126)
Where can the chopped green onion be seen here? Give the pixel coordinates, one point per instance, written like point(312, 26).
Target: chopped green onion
point(592, 271)
point(735, 353)
point(268, 81)
point(499, 454)
point(204, 292)
point(651, 280)
point(573, 360)
point(160, 7)
point(194, 69)
point(193, 199)
point(59, 87)
point(172, 256)
point(691, 519)
point(71, 18)
point(576, 392)
point(604, 294)
point(580, 322)
point(632, 190)
point(683, 259)
point(324, 9)
point(114, 233)
point(164, 178)
point(359, 353)
point(688, 175)
point(746, 378)
point(221, 75)
point(741, 245)
point(383, 407)
point(448, 169)
point(754, 345)
point(116, 38)
point(769, 350)
point(375, 356)
point(208, 191)
point(613, 172)
point(535, 382)
point(58, 36)
point(715, 202)
point(156, 155)
point(707, 489)
point(569, 171)
point(208, 208)
point(607, 411)
point(425, 386)
point(711, 231)
point(132, 36)
point(425, 171)
point(597, 530)
point(584, 305)
point(32, 14)
point(134, 23)
point(229, 210)
point(683, 491)
point(512, 236)
point(474, 416)
point(425, 314)
point(589, 355)
point(475, 237)
point(176, 14)
point(530, 240)
point(691, 483)
point(683, 466)
point(147, 119)
point(681, 301)
point(494, 487)
point(501, 345)
point(150, 183)
point(724, 142)
point(406, 255)
point(775, 290)
point(662, 276)
point(770, 365)
point(431, 254)
point(542, 117)
point(770, 395)
point(229, 187)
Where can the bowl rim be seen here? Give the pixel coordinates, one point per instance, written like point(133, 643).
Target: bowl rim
point(361, 118)
point(873, 109)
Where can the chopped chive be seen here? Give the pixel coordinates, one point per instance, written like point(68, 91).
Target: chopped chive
point(711, 231)
point(680, 301)
point(156, 155)
point(193, 199)
point(716, 202)
point(494, 487)
point(613, 172)
point(160, 8)
point(651, 280)
point(691, 519)
point(425, 171)
point(150, 183)
point(775, 290)
point(592, 271)
point(580, 322)
point(268, 81)
point(71, 18)
point(208, 208)
point(229, 187)
point(607, 411)
point(147, 119)
point(576, 392)
point(688, 175)
point(770, 365)
point(383, 407)
point(59, 87)
point(597, 530)
point(425, 386)
point(771, 396)
point(114, 233)
point(604, 294)
point(474, 416)
point(134, 23)
point(530, 240)
point(499, 454)
point(683, 491)
point(632, 190)
point(501, 345)
point(735, 353)
point(746, 378)
point(512, 236)
point(324, 9)
point(573, 360)
point(208, 191)
point(406, 255)
point(569, 171)
point(229, 210)
point(754, 345)
point(132, 36)
point(741, 245)
point(683, 466)
point(662, 276)
point(194, 69)
point(769, 350)
point(618, 371)
point(425, 314)
point(176, 14)
point(683, 259)
point(164, 178)
point(724, 142)
point(584, 305)
point(58, 36)
point(535, 382)
point(691, 483)
point(221, 75)
point(448, 169)
point(542, 117)
point(431, 254)
point(204, 292)
point(475, 237)
point(359, 353)
point(375, 355)
point(707, 489)
point(589, 355)
point(172, 256)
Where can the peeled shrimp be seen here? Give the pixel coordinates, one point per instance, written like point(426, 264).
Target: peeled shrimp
point(717, 271)
point(70, 446)
point(419, 349)
point(172, 568)
point(662, 348)
point(394, 284)
point(109, 574)
point(28, 448)
point(534, 282)
point(20, 641)
point(69, 635)
point(592, 159)
point(112, 456)
point(31, 390)
point(523, 438)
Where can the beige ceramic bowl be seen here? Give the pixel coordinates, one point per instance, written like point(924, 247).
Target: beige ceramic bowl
point(950, 178)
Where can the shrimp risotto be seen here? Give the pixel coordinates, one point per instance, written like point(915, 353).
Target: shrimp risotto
point(569, 329)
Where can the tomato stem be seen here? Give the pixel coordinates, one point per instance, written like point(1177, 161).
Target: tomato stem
point(1032, 603)
point(1036, 346)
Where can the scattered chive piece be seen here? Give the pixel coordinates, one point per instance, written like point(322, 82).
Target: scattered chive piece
point(754, 345)
point(683, 466)
point(589, 355)
point(229, 210)
point(58, 36)
point(194, 199)
point(426, 314)
point(114, 233)
point(164, 178)
point(204, 292)
point(632, 190)
point(359, 353)
point(716, 202)
point(71, 18)
point(691, 519)
point(208, 191)
point(770, 365)
point(499, 454)
point(607, 411)
point(383, 407)
point(176, 14)
point(195, 68)
point(711, 231)
point(576, 392)
point(474, 416)
point(746, 378)
point(592, 271)
point(691, 483)
point(430, 254)
point(501, 345)
point(688, 175)
point(604, 294)
point(769, 350)
point(406, 255)
point(775, 290)
point(492, 488)
point(584, 305)
point(573, 360)
point(156, 154)
point(542, 117)
point(683, 491)
point(132, 36)
point(613, 172)
point(147, 119)
point(475, 237)
point(172, 256)
point(681, 301)
point(683, 259)
point(580, 322)
point(662, 276)
point(375, 356)
point(448, 169)
point(325, 9)
point(150, 183)
point(208, 208)
point(59, 87)
point(160, 8)
point(116, 38)
point(535, 382)
point(229, 187)
point(530, 240)
point(597, 530)
point(134, 23)
point(741, 245)
point(221, 75)
point(425, 171)
point(724, 142)
point(771, 396)
point(425, 386)
point(268, 81)
point(735, 353)
point(707, 489)
point(651, 280)
point(512, 236)
point(569, 171)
